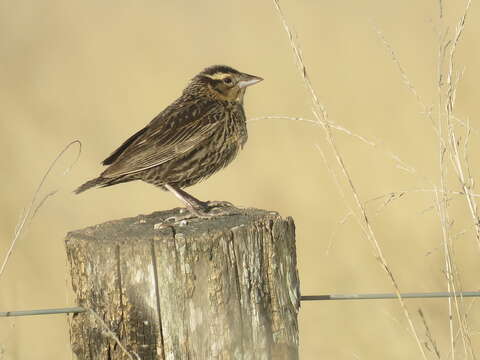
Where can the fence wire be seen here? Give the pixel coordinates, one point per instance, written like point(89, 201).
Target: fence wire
point(334, 297)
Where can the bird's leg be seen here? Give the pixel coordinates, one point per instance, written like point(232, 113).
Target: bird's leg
point(205, 205)
point(193, 205)
point(196, 207)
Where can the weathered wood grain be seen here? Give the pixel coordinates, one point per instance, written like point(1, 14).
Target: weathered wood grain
point(224, 288)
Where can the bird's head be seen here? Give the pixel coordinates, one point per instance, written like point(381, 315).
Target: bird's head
point(225, 83)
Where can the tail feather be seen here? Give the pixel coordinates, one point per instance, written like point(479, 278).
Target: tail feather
point(89, 184)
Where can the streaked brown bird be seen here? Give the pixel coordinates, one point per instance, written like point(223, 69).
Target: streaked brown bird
point(198, 134)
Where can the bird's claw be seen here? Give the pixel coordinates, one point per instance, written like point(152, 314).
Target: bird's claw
point(218, 204)
point(208, 210)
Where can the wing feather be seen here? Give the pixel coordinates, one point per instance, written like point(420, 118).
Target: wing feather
point(114, 156)
point(172, 133)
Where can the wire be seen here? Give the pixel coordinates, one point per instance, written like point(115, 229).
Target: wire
point(68, 310)
point(465, 294)
point(390, 296)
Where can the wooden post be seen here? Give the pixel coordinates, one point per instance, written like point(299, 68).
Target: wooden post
point(223, 288)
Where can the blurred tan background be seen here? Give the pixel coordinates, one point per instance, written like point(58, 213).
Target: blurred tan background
point(99, 70)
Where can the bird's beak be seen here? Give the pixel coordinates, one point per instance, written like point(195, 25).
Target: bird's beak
point(248, 80)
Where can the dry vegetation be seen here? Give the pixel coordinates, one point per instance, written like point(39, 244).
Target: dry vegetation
point(454, 185)
point(453, 140)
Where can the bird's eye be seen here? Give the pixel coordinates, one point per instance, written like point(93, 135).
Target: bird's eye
point(227, 80)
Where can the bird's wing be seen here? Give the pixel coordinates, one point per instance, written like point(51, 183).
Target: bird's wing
point(116, 154)
point(173, 132)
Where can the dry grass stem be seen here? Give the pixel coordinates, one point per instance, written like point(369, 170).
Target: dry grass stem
point(390, 197)
point(430, 344)
point(321, 115)
point(466, 124)
point(426, 111)
point(339, 223)
point(109, 333)
point(399, 162)
point(458, 333)
point(451, 152)
point(36, 204)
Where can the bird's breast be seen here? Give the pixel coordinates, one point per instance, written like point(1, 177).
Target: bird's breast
point(235, 126)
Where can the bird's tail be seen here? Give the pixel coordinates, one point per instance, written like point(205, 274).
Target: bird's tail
point(89, 184)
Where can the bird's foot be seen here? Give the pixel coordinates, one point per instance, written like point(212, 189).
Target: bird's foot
point(210, 209)
point(203, 210)
point(218, 204)
point(180, 219)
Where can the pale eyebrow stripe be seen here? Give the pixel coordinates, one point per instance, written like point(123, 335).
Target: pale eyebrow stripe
point(218, 76)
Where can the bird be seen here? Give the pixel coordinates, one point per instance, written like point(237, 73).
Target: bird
point(197, 135)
